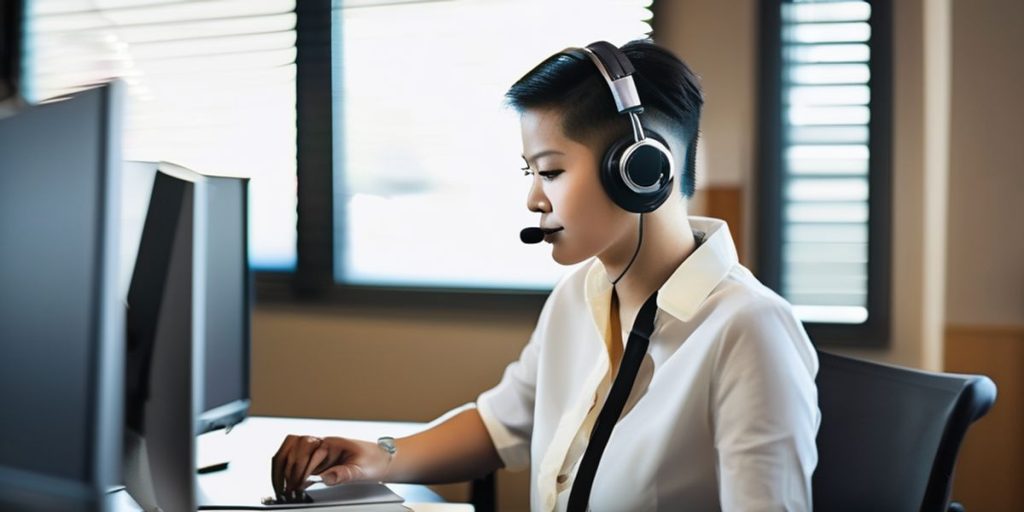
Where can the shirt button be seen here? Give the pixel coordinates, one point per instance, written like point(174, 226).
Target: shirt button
point(562, 479)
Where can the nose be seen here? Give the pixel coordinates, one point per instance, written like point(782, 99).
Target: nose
point(536, 201)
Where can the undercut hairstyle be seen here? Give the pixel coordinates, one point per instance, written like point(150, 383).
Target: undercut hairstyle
point(570, 83)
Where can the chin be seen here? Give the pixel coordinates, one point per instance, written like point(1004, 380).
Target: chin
point(563, 257)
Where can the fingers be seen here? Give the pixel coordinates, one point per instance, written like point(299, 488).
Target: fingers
point(315, 460)
point(298, 461)
point(288, 466)
point(278, 462)
point(340, 474)
point(335, 453)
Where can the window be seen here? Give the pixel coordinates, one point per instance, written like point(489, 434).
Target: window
point(824, 189)
point(418, 184)
point(211, 86)
point(428, 190)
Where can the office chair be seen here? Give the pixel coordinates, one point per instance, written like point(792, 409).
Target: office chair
point(889, 436)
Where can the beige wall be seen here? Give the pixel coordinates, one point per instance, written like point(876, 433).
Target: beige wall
point(383, 365)
point(986, 207)
point(401, 364)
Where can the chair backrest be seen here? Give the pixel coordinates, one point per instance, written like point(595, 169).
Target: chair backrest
point(889, 436)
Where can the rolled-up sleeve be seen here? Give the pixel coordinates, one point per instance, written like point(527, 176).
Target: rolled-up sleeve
point(507, 409)
point(765, 412)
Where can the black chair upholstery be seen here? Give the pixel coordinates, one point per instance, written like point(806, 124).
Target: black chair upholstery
point(483, 493)
point(889, 436)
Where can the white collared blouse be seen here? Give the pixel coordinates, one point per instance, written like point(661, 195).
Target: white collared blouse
point(723, 414)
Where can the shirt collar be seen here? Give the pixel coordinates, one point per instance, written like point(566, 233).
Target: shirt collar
point(687, 288)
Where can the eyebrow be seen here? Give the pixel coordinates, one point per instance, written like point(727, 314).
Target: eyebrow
point(546, 152)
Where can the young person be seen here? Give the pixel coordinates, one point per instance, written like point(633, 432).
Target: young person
point(661, 375)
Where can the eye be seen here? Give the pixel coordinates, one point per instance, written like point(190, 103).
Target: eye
point(526, 171)
point(549, 175)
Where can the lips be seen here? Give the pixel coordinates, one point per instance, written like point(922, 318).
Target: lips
point(549, 234)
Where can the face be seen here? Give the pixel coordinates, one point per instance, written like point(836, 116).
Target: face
point(566, 191)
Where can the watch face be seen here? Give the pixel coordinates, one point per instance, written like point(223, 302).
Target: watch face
point(388, 444)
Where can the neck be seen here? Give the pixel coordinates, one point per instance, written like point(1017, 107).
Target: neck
point(667, 241)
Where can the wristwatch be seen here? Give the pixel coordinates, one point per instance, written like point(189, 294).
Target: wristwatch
point(387, 444)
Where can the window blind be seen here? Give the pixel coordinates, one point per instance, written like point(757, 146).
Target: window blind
point(211, 86)
point(825, 159)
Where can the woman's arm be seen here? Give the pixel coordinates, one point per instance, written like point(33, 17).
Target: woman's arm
point(456, 450)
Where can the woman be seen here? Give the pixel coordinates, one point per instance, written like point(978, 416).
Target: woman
point(706, 375)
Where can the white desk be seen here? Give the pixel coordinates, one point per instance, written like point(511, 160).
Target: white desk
point(250, 446)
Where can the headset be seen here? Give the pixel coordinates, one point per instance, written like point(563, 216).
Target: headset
point(636, 172)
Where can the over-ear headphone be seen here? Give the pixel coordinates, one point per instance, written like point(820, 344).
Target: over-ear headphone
point(636, 172)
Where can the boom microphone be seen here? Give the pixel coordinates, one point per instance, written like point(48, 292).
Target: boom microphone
point(535, 235)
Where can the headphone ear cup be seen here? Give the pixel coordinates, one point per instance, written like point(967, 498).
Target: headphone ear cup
point(611, 180)
point(652, 164)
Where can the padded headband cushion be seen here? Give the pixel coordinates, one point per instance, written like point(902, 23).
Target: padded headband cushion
point(615, 63)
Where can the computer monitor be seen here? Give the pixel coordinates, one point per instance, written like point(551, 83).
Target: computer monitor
point(61, 319)
point(228, 303)
point(165, 333)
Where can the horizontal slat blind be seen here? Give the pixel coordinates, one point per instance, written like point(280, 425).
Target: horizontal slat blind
point(825, 157)
point(211, 86)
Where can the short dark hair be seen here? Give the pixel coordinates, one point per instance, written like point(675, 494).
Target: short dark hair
point(570, 82)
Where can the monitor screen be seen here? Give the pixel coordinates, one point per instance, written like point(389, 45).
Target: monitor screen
point(61, 317)
point(226, 383)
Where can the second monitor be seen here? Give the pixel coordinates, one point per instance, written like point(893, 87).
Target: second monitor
point(225, 397)
point(228, 297)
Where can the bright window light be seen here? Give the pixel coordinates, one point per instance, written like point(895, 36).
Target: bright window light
point(428, 186)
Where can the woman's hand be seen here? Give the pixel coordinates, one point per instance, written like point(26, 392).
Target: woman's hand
point(335, 459)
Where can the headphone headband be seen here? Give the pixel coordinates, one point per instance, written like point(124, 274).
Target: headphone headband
point(618, 73)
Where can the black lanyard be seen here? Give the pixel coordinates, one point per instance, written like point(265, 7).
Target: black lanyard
point(636, 349)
